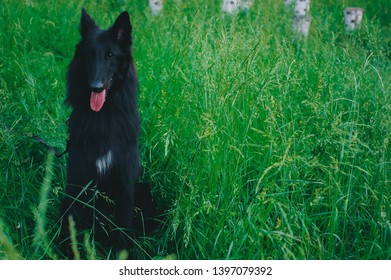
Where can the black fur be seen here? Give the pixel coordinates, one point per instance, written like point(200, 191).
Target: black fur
point(102, 202)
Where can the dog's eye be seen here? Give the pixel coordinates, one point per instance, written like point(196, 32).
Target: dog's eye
point(109, 54)
point(92, 53)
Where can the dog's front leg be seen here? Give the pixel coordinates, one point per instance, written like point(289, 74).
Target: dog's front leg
point(124, 214)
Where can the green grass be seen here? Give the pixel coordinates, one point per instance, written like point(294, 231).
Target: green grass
point(260, 146)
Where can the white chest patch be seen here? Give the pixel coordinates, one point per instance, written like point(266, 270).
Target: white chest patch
point(104, 163)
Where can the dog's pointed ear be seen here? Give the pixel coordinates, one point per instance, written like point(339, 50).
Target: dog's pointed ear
point(122, 30)
point(87, 24)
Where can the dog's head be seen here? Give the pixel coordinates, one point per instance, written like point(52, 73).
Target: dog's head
point(103, 57)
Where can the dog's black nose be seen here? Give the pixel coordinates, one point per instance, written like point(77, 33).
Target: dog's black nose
point(96, 86)
point(96, 89)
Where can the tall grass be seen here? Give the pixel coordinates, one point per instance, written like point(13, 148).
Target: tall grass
point(260, 146)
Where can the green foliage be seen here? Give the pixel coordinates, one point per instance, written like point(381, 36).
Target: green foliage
point(260, 146)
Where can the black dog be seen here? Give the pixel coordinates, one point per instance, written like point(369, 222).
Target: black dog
point(104, 126)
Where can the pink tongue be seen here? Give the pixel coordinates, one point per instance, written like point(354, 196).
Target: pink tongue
point(97, 99)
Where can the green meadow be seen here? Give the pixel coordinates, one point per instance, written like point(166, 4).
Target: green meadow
point(259, 144)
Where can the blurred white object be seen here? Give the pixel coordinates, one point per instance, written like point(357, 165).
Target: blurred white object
point(156, 6)
point(353, 18)
point(245, 5)
point(288, 2)
point(302, 8)
point(230, 6)
point(301, 25)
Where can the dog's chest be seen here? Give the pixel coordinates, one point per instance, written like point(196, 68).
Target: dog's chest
point(104, 163)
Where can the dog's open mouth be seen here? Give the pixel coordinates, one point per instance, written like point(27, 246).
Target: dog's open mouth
point(97, 100)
